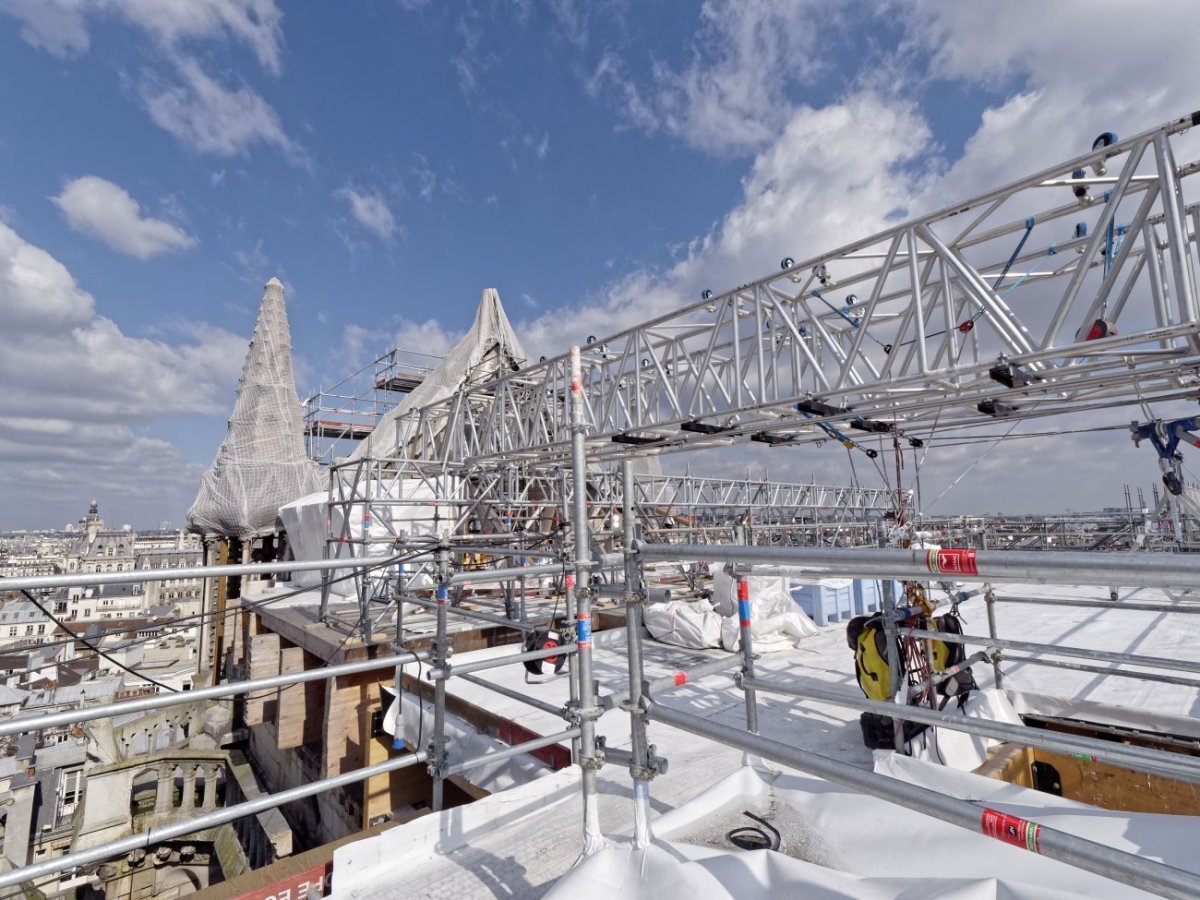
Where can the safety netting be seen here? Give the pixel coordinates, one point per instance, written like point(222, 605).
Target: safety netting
point(261, 464)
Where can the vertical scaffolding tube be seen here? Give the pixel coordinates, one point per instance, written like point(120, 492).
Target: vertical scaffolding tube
point(441, 653)
point(747, 645)
point(588, 709)
point(397, 741)
point(890, 634)
point(989, 598)
point(634, 596)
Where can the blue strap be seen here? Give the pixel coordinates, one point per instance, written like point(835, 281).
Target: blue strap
point(849, 318)
point(1029, 223)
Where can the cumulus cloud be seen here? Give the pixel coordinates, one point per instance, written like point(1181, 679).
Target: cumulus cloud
point(78, 386)
point(798, 199)
point(732, 97)
point(371, 211)
point(210, 117)
point(61, 27)
point(105, 210)
point(57, 26)
point(824, 175)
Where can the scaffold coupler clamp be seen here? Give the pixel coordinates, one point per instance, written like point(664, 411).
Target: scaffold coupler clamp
point(655, 765)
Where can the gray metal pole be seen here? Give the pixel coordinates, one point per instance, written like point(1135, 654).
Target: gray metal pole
point(511, 694)
point(1142, 759)
point(445, 671)
point(678, 679)
point(634, 597)
point(588, 711)
point(398, 744)
point(441, 653)
point(1102, 670)
point(141, 576)
point(473, 614)
point(1084, 854)
point(23, 724)
point(146, 839)
point(989, 598)
point(746, 643)
point(1129, 659)
point(515, 750)
point(893, 656)
point(1175, 570)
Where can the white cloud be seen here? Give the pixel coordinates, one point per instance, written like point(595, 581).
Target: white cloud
point(825, 175)
point(105, 210)
point(798, 199)
point(256, 23)
point(77, 387)
point(732, 97)
point(57, 26)
point(211, 118)
point(61, 26)
point(371, 211)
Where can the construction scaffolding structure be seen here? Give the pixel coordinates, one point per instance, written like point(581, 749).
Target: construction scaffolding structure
point(642, 700)
point(338, 417)
point(1069, 291)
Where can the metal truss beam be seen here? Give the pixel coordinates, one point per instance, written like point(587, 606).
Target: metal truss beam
point(1072, 289)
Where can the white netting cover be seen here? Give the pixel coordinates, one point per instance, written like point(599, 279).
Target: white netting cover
point(261, 465)
point(490, 347)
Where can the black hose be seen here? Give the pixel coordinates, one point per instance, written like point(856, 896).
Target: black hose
point(751, 837)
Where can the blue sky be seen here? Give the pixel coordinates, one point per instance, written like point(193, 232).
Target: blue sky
point(387, 159)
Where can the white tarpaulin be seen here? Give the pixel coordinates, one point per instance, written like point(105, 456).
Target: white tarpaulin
point(261, 464)
point(776, 622)
point(838, 843)
point(683, 623)
point(488, 348)
point(310, 522)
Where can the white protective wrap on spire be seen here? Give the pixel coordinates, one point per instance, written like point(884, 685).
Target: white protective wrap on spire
point(261, 465)
point(489, 348)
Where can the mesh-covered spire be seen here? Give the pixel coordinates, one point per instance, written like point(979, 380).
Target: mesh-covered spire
point(261, 464)
point(487, 349)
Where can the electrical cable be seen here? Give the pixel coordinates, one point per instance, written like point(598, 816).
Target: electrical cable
point(194, 619)
point(751, 837)
point(112, 659)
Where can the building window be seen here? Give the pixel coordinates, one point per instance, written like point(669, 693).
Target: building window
point(42, 628)
point(12, 631)
point(28, 630)
point(69, 793)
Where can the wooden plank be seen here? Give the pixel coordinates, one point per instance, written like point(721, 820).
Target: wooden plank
point(264, 662)
point(292, 711)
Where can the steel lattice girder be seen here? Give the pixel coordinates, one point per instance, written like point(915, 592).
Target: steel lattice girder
point(935, 321)
point(493, 494)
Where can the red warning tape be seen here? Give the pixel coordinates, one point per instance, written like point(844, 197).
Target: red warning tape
point(1012, 830)
point(681, 678)
point(951, 562)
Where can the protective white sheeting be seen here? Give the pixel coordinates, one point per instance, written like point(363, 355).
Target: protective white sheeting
point(776, 623)
point(967, 752)
point(1143, 718)
point(840, 843)
point(465, 742)
point(488, 348)
point(957, 749)
point(310, 521)
point(684, 623)
point(261, 464)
